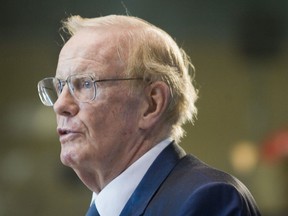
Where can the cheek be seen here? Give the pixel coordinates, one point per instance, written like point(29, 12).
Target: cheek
point(110, 121)
point(99, 124)
point(131, 109)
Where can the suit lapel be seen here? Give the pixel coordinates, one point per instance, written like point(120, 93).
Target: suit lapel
point(152, 180)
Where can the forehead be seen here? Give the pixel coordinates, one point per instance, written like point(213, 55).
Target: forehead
point(90, 51)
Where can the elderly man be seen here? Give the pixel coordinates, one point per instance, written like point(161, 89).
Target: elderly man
point(121, 94)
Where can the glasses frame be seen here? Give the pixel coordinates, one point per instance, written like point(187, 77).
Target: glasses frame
point(47, 101)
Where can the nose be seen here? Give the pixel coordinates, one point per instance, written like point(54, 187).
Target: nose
point(66, 105)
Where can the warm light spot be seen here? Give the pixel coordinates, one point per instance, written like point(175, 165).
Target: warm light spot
point(244, 156)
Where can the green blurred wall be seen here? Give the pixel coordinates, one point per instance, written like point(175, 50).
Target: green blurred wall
point(240, 52)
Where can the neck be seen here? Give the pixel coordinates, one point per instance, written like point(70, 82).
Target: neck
point(97, 177)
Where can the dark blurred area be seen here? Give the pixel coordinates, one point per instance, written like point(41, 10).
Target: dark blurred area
point(240, 52)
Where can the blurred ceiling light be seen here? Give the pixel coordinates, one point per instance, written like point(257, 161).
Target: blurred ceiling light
point(244, 157)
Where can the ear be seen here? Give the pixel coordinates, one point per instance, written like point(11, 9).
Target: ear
point(157, 96)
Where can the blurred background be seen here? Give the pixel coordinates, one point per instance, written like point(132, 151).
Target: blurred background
point(240, 51)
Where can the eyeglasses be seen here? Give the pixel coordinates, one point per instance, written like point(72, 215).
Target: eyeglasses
point(82, 87)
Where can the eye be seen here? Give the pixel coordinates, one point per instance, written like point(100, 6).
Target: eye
point(81, 84)
point(87, 84)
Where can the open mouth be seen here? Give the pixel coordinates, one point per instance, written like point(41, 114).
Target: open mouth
point(63, 131)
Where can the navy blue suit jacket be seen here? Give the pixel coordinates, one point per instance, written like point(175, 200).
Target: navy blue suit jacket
point(178, 184)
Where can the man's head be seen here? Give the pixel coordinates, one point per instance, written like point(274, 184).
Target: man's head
point(151, 53)
point(145, 94)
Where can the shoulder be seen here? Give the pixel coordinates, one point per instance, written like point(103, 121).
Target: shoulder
point(194, 188)
point(199, 173)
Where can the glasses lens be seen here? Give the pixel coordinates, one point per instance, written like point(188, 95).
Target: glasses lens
point(47, 92)
point(82, 87)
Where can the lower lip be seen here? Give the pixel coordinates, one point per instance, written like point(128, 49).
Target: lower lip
point(68, 137)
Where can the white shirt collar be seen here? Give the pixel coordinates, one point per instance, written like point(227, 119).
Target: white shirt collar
point(112, 199)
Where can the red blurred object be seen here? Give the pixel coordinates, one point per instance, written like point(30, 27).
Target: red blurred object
point(275, 147)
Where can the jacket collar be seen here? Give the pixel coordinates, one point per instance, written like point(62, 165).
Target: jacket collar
point(152, 180)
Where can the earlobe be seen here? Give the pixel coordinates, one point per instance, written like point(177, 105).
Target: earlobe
point(157, 98)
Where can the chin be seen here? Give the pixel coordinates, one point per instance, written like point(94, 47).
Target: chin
point(69, 159)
